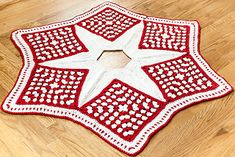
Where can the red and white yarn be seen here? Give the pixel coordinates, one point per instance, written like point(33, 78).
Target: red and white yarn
point(61, 76)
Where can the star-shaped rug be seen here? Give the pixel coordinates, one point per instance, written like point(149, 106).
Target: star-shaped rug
point(61, 76)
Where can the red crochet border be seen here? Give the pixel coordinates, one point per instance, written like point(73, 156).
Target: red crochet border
point(150, 136)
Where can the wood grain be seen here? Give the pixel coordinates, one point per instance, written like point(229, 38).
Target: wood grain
point(206, 129)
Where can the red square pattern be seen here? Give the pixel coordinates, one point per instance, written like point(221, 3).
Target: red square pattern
point(179, 77)
point(54, 43)
point(53, 87)
point(108, 23)
point(123, 109)
point(162, 36)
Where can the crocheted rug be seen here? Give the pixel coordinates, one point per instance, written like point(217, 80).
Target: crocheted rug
point(125, 107)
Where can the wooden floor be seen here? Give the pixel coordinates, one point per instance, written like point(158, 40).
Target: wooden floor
point(204, 130)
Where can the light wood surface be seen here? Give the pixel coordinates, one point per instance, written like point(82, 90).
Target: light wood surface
point(204, 130)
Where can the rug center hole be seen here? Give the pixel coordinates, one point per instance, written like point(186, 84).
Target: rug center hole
point(114, 59)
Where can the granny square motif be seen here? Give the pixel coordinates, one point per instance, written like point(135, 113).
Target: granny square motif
point(61, 76)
